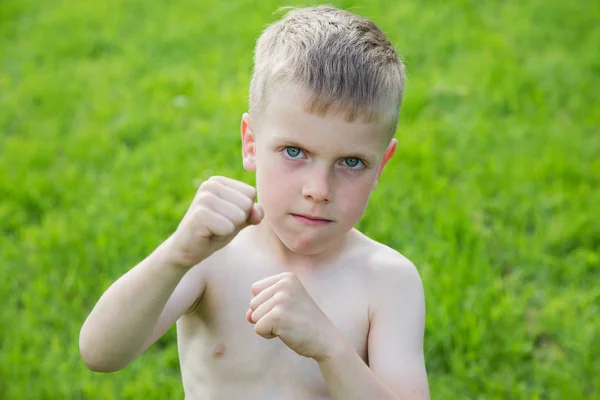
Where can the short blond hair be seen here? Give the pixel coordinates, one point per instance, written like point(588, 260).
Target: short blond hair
point(343, 60)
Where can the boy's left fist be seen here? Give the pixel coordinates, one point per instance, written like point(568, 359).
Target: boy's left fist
point(283, 308)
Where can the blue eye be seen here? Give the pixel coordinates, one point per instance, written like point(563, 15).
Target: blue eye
point(292, 152)
point(353, 162)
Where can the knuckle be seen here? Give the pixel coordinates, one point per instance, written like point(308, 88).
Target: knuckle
point(200, 212)
point(228, 227)
point(282, 284)
point(220, 181)
point(252, 304)
point(280, 297)
point(240, 217)
point(252, 196)
point(261, 330)
point(207, 198)
point(277, 313)
point(217, 182)
point(247, 203)
point(216, 178)
point(232, 227)
point(288, 278)
point(205, 185)
point(203, 192)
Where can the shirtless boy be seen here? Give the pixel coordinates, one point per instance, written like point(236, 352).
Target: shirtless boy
point(282, 298)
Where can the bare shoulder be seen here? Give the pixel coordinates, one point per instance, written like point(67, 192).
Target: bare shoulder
point(396, 321)
point(392, 282)
point(385, 264)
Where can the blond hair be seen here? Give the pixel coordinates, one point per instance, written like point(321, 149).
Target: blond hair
point(343, 60)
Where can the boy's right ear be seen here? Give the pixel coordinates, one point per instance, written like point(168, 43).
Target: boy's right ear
point(248, 144)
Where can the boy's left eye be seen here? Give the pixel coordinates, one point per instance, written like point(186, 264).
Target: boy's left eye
point(353, 162)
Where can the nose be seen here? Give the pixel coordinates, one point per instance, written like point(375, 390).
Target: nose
point(318, 186)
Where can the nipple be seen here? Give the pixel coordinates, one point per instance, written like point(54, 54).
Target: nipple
point(218, 350)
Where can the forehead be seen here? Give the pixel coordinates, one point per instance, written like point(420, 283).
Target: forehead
point(287, 118)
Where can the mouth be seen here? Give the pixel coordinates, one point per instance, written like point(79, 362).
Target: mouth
point(311, 220)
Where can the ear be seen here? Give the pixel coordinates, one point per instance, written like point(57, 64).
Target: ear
point(389, 152)
point(248, 144)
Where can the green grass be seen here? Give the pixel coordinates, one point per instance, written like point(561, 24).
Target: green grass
point(112, 112)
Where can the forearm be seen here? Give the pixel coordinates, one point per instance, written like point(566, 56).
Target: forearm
point(127, 312)
point(348, 377)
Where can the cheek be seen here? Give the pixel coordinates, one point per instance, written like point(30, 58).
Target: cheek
point(273, 182)
point(355, 196)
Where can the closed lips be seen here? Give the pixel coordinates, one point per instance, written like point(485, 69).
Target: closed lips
point(311, 217)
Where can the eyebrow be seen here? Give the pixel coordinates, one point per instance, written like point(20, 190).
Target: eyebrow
point(293, 143)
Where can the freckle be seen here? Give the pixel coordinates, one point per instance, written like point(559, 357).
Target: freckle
point(218, 350)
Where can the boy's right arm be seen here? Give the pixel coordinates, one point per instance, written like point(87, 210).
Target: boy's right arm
point(145, 302)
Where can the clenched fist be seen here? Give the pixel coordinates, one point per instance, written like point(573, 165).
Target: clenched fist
point(221, 208)
point(281, 307)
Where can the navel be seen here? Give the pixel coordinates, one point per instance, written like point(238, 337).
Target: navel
point(218, 350)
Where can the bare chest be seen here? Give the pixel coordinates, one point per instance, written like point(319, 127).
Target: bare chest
point(219, 346)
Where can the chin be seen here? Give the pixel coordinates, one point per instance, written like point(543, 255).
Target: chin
point(306, 244)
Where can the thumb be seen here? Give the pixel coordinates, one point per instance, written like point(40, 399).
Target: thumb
point(256, 215)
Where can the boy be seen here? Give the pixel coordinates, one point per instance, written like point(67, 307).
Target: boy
point(329, 313)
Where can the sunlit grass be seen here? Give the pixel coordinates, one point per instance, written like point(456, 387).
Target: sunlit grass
point(112, 112)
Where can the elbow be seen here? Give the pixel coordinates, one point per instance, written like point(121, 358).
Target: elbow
point(95, 360)
point(100, 367)
point(97, 364)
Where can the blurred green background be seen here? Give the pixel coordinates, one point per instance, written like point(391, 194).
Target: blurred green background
point(111, 114)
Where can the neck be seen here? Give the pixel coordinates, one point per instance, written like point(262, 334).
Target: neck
point(294, 261)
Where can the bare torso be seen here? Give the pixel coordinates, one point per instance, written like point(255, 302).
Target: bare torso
point(223, 358)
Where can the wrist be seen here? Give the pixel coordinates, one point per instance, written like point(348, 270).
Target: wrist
point(336, 347)
point(167, 257)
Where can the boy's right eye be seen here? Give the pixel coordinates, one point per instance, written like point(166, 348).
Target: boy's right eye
point(292, 152)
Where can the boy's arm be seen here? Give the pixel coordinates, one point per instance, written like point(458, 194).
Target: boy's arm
point(396, 368)
point(139, 307)
point(136, 310)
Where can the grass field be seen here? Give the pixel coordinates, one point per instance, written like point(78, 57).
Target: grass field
point(112, 112)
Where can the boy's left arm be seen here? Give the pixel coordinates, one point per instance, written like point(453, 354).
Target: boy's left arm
point(282, 308)
point(396, 368)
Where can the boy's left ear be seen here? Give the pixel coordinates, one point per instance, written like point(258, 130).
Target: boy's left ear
point(248, 144)
point(389, 152)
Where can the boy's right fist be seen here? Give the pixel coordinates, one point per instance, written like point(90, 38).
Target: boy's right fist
point(221, 208)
